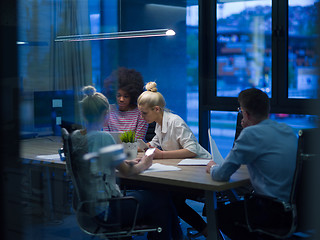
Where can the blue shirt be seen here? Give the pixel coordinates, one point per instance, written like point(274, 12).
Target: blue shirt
point(269, 150)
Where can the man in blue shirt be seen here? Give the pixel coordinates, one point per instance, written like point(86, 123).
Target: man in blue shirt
point(267, 148)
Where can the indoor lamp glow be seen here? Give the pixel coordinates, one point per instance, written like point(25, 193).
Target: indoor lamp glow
point(116, 35)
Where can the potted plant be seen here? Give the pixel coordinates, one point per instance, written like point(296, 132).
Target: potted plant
point(130, 145)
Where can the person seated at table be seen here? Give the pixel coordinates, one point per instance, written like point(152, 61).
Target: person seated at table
point(154, 206)
point(124, 115)
point(173, 135)
point(268, 148)
point(173, 139)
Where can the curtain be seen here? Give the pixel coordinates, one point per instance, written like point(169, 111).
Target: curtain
point(71, 63)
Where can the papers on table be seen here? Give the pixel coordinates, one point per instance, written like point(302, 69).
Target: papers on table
point(215, 153)
point(158, 167)
point(50, 157)
point(194, 162)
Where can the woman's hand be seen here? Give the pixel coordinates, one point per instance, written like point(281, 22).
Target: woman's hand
point(135, 166)
point(158, 154)
point(147, 161)
point(133, 161)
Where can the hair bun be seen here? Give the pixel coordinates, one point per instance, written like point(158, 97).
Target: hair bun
point(151, 86)
point(89, 90)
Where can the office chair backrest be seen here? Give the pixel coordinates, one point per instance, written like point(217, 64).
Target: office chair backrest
point(304, 185)
point(238, 126)
point(150, 131)
point(67, 149)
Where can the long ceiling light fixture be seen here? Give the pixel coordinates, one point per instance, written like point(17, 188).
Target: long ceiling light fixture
point(116, 35)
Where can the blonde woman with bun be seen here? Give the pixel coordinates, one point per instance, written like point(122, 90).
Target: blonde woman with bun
point(176, 140)
point(161, 212)
point(173, 135)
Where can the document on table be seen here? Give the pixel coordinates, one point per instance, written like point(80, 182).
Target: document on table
point(194, 162)
point(215, 153)
point(158, 167)
point(50, 157)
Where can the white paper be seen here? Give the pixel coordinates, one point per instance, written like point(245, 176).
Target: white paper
point(150, 151)
point(194, 162)
point(52, 157)
point(215, 153)
point(158, 167)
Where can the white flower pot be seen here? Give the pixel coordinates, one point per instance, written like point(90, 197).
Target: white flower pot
point(131, 150)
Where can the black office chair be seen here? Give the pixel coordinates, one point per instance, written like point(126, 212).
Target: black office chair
point(91, 224)
point(238, 126)
point(288, 218)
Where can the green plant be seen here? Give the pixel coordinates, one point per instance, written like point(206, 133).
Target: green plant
point(128, 136)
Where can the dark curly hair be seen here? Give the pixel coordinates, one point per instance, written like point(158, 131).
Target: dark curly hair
point(128, 80)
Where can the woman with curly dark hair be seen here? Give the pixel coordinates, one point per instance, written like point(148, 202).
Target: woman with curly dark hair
point(125, 115)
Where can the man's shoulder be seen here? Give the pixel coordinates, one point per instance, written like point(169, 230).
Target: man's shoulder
point(269, 127)
point(260, 128)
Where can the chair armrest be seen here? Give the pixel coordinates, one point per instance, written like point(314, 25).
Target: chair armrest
point(267, 201)
point(82, 205)
point(61, 154)
point(269, 215)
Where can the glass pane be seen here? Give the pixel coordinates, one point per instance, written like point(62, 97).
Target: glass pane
point(223, 126)
point(302, 56)
point(170, 61)
point(192, 28)
point(45, 65)
point(52, 73)
point(296, 121)
point(243, 46)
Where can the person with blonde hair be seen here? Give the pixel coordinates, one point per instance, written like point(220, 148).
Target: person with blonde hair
point(173, 139)
point(161, 212)
point(173, 135)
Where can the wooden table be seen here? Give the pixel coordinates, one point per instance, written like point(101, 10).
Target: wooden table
point(192, 178)
point(54, 188)
point(189, 178)
point(31, 149)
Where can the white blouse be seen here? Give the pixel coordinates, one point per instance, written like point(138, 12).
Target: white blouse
point(175, 134)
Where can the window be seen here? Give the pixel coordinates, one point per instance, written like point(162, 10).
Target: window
point(244, 49)
point(263, 44)
point(302, 57)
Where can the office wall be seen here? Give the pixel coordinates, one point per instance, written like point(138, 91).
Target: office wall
point(161, 59)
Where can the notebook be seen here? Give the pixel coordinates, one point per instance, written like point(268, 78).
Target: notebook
point(215, 153)
point(194, 162)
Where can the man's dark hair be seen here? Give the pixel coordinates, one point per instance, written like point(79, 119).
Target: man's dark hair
point(255, 102)
point(128, 80)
